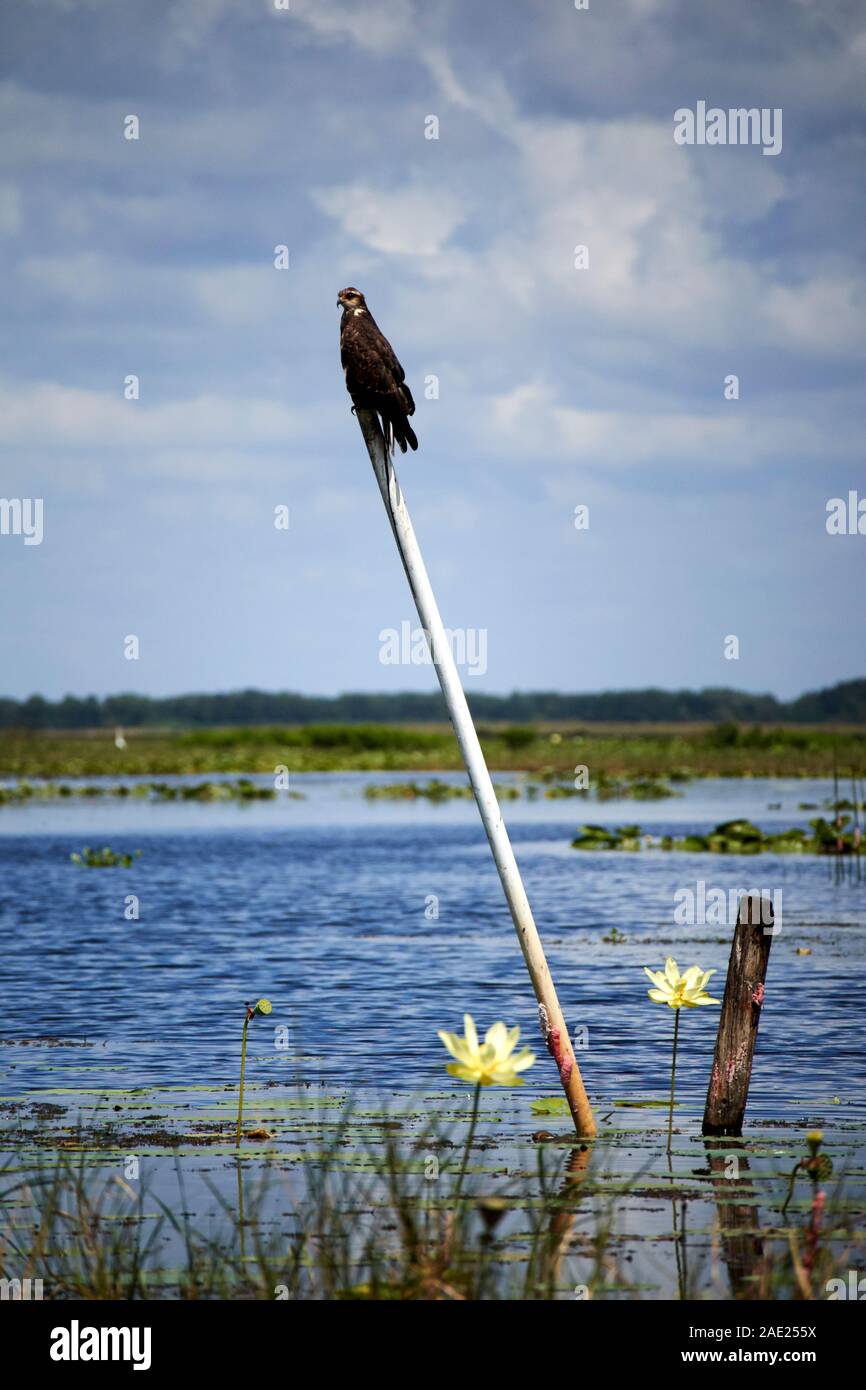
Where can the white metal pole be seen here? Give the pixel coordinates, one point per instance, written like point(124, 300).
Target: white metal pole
point(553, 1025)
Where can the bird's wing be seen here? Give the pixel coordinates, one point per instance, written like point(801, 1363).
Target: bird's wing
point(394, 367)
point(369, 360)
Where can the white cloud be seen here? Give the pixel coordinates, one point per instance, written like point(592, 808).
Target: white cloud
point(529, 421)
point(413, 221)
point(488, 98)
point(378, 25)
point(48, 413)
point(825, 315)
point(189, 25)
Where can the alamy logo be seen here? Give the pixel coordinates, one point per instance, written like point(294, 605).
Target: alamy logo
point(846, 517)
point(77, 1343)
point(22, 516)
point(702, 906)
point(738, 126)
point(413, 646)
point(855, 1289)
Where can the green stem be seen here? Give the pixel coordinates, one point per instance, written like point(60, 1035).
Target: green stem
point(243, 1065)
point(791, 1181)
point(471, 1135)
point(673, 1078)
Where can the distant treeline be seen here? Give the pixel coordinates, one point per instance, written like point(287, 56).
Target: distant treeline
point(843, 703)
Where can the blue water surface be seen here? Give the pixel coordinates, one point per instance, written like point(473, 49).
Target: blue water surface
point(370, 925)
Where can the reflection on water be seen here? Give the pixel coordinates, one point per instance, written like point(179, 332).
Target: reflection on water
point(738, 1214)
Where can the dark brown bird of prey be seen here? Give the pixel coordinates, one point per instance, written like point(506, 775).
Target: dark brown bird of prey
point(374, 378)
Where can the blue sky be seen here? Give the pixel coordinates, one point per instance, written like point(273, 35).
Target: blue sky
point(557, 387)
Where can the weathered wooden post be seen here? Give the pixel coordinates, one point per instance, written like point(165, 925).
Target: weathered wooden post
point(552, 1022)
point(741, 1009)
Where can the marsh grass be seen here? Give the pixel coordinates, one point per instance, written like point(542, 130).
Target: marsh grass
point(378, 1228)
point(642, 752)
point(376, 1236)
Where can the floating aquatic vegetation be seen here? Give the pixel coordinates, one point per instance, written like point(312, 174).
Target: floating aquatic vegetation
point(105, 858)
point(241, 789)
point(434, 790)
point(632, 789)
point(615, 937)
point(550, 1105)
point(607, 788)
point(12, 795)
point(627, 837)
point(731, 837)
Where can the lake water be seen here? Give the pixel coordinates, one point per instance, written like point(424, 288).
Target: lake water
point(324, 905)
point(320, 905)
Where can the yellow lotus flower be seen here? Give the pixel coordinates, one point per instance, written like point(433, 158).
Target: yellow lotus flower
point(680, 991)
point(493, 1063)
point(815, 1139)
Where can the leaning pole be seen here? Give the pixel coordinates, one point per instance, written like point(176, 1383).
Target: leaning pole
point(552, 1022)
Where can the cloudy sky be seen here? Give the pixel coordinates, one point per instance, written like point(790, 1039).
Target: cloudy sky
point(558, 387)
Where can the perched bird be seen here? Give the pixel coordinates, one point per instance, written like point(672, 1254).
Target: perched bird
point(374, 378)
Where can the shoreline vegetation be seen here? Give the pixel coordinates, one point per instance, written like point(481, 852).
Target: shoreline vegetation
point(843, 703)
point(619, 758)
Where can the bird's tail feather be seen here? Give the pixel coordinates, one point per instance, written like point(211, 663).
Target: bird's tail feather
point(402, 432)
